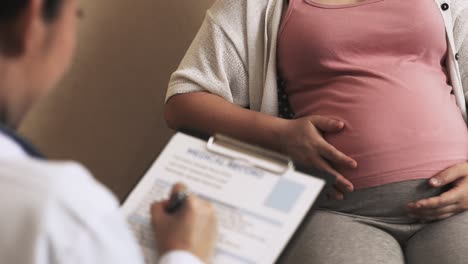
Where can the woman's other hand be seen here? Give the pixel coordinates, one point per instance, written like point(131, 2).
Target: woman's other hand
point(449, 203)
point(302, 139)
point(193, 228)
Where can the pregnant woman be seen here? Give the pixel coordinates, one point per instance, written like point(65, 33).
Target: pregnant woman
point(371, 91)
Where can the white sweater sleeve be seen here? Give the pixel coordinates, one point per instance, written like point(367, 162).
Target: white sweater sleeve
point(212, 64)
point(460, 22)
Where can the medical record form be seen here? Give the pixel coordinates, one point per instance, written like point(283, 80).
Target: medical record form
point(260, 200)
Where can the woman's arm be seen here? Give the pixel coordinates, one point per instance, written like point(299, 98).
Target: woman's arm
point(212, 114)
point(301, 138)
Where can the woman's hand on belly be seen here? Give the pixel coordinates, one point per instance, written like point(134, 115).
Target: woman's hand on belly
point(449, 203)
point(302, 139)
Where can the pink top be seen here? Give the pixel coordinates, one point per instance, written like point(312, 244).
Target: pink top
point(379, 66)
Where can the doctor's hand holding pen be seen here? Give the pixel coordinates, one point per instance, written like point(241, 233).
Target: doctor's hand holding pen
point(185, 222)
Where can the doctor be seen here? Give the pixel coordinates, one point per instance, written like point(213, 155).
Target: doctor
point(55, 212)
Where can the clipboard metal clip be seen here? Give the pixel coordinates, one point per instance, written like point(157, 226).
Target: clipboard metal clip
point(252, 155)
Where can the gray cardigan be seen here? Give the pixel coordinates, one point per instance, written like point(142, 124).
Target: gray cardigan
point(234, 53)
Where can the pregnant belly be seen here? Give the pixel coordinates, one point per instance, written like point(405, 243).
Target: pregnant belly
point(395, 139)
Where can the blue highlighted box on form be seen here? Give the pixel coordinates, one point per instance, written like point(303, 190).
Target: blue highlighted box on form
point(284, 195)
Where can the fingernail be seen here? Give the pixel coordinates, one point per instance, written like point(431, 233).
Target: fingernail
point(435, 181)
point(350, 188)
point(338, 123)
point(353, 164)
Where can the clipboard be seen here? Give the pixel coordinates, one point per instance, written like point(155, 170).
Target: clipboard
point(256, 204)
point(286, 164)
point(227, 143)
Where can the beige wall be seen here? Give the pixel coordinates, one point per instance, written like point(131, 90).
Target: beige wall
point(107, 113)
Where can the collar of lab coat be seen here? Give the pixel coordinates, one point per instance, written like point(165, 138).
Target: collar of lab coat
point(13, 146)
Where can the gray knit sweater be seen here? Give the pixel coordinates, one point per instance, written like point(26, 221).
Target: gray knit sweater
point(234, 53)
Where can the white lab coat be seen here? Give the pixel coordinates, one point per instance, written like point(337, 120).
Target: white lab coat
point(56, 213)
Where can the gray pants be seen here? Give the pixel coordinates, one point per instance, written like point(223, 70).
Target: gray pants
point(372, 226)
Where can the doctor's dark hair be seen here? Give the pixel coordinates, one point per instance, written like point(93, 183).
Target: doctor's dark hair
point(11, 9)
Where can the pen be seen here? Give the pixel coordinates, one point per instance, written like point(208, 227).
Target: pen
point(176, 202)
